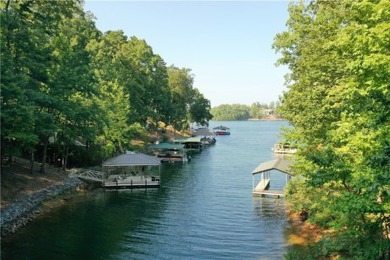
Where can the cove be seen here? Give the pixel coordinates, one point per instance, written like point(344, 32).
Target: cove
point(204, 209)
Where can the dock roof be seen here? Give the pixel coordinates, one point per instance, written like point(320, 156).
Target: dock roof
point(203, 132)
point(164, 146)
point(188, 140)
point(280, 164)
point(132, 159)
point(221, 127)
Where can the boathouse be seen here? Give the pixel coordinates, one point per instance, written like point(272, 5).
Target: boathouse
point(190, 143)
point(265, 169)
point(169, 152)
point(132, 170)
point(206, 136)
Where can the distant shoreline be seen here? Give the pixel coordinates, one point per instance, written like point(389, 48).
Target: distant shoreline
point(267, 119)
point(270, 118)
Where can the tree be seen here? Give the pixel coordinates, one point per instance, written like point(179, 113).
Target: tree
point(112, 99)
point(187, 103)
point(16, 110)
point(28, 30)
point(73, 82)
point(339, 105)
point(200, 109)
point(257, 110)
point(64, 80)
point(133, 83)
point(231, 112)
point(146, 81)
point(18, 73)
point(180, 81)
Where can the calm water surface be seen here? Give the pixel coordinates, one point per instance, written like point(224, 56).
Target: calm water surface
point(204, 210)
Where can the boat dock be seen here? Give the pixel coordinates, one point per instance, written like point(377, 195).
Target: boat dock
point(264, 169)
point(271, 193)
point(131, 182)
point(262, 190)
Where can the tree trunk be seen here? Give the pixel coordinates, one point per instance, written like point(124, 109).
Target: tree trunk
point(65, 158)
point(10, 159)
point(43, 165)
point(32, 162)
point(120, 147)
point(7, 6)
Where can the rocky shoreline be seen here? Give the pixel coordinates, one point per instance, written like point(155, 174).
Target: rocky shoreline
point(21, 212)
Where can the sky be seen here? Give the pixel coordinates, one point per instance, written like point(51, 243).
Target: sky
point(226, 44)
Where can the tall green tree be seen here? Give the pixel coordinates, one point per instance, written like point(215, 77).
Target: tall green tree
point(146, 81)
point(187, 104)
point(73, 83)
point(181, 84)
point(115, 133)
point(338, 102)
point(17, 117)
point(28, 30)
point(200, 109)
point(63, 80)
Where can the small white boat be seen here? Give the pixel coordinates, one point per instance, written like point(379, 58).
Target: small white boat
point(283, 148)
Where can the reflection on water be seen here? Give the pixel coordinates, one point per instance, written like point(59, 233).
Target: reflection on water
point(271, 209)
point(203, 210)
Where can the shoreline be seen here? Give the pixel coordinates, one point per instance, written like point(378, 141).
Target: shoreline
point(255, 119)
point(19, 213)
point(266, 119)
point(301, 233)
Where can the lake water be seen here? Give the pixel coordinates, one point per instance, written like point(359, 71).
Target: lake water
point(203, 210)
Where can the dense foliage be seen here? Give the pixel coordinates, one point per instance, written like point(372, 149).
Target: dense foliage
point(69, 88)
point(188, 104)
point(338, 102)
point(232, 112)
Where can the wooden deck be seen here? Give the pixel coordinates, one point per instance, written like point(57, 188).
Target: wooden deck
point(130, 183)
point(263, 185)
point(262, 190)
point(114, 185)
point(269, 193)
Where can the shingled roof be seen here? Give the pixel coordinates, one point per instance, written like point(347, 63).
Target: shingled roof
point(132, 159)
point(203, 132)
point(280, 164)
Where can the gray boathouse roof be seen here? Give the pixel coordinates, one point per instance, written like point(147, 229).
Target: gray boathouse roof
point(203, 132)
point(221, 127)
point(132, 159)
point(280, 164)
point(166, 146)
point(185, 140)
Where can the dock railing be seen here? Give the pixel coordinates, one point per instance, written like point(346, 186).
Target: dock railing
point(132, 182)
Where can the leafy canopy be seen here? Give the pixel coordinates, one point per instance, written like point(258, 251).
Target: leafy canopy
point(339, 104)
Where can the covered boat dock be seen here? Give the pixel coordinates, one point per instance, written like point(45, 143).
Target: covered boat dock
point(169, 152)
point(132, 170)
point(221, 130)
point(207, 137)
point(190, 143)
point(265, 169)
